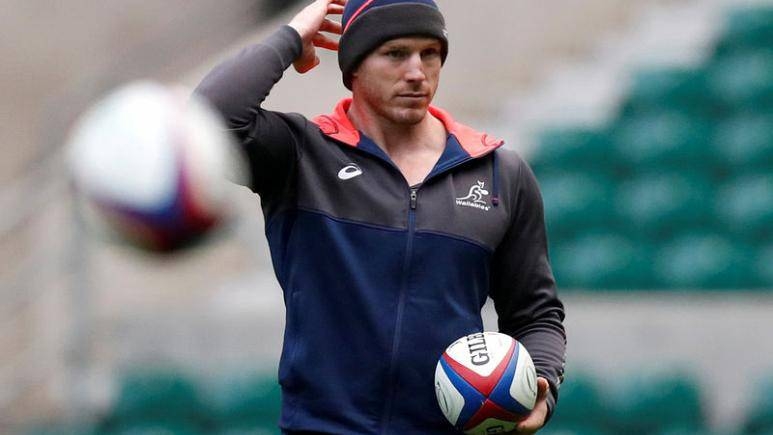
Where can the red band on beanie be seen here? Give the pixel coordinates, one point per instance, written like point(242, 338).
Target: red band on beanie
point(356, 13)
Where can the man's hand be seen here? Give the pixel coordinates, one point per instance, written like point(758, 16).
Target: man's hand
point(536, 419)
point(310, 23)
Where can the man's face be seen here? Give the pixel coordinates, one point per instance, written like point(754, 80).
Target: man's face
point(398, 80)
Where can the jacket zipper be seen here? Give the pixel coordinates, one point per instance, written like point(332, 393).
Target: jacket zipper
point(387, 416)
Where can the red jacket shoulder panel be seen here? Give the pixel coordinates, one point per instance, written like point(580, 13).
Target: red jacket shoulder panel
point(337, 124)
point(474, 142)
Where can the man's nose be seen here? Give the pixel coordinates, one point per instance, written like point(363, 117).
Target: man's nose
point(415, 68)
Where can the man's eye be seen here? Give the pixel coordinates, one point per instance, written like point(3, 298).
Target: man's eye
point(396, 54)
point(431, 52)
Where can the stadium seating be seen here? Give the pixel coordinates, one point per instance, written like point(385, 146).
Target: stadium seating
point(583, 410)
point(168, 402)
point(658, 205)
point(567, 149)
point(154, 428)
point(703, 261)
point(656, 90)
point(657, 403)
point(747, 29)
point(580, 201)
point(641, 403)
point(602, 261)
point(663, 404)
point(760, 416)
point(761, 267)
point(744, 143)
point(666, 139)
point(156, 401)
point(745, 207)
point(245, 404)
point(157, 396)
point(742, 81)
point(676, 192)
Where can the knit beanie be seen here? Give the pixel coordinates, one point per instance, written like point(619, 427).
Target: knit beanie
point(369, 23)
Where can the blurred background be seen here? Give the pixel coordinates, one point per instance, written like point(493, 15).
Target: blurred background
point(649, 125)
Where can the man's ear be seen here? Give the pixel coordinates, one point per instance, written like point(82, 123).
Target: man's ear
point(353, 75)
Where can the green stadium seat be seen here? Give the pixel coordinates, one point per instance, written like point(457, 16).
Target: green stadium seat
point(154, 428)
point(602, 261)
point(576, 202)
point(655, 90)
point(760, 418)
point(666, 139)
point(656, 205)
point(749, 28)
point(763, 266)
point(742, 81)
point(745, 143)
point(157, 396)
point(582, 409)
point(745, 207)
point(652, 404)
point(703, 261)
point(246, 403)
point(571, 148)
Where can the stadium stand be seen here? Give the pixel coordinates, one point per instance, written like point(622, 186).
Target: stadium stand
point(582, 410)
point(690, 154)
point(169, 402)
point(668, 403)
point(155, 403)
point(760, 418)
point(245, 404)
point(156, 399)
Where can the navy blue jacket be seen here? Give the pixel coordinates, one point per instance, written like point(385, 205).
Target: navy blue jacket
point(379, 276)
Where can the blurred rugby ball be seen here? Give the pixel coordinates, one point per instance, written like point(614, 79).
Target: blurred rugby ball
point(152, 165)
point(486, 383)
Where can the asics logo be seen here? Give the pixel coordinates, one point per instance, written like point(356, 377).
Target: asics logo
point(349, 171)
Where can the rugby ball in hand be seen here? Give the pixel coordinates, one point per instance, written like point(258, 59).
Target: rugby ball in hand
point(486, 383)
point(151, 167)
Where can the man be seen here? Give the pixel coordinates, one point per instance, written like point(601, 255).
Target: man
point(389, 223)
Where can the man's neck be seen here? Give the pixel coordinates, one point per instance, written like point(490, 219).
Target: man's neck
point(413, 148)
point(398, 138)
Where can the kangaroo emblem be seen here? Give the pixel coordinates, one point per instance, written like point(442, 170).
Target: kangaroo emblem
point(476, 194)
point(475, 197)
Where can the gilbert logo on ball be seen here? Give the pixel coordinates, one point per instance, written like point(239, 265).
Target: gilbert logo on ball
point(152, 166)
point(486, 383)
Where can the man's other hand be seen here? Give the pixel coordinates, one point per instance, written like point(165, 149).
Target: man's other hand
point(310, 23)
point(536, 418)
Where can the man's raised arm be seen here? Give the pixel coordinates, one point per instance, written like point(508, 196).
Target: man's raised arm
point(238, 87)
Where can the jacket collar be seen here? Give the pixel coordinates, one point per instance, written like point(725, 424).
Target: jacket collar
point(338, 126)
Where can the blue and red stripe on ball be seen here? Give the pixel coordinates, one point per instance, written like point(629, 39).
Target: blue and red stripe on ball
point(489, 396)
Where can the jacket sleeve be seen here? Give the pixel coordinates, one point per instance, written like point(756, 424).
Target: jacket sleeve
point(523, 288)
point(238, 87)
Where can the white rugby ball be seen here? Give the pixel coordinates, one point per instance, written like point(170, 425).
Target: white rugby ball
point(152, 166)
point(486, 383)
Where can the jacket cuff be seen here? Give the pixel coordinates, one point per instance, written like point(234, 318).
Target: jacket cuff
point(551, 402)
point(287, 43)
